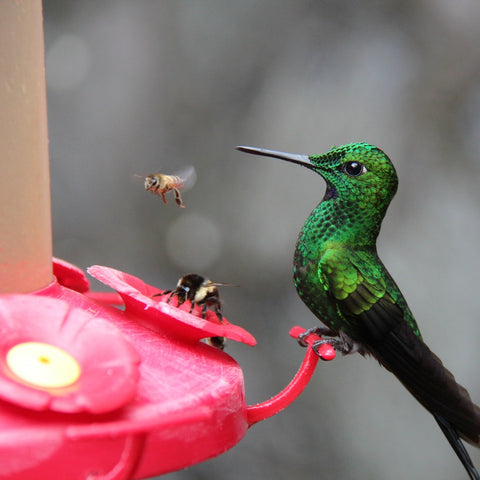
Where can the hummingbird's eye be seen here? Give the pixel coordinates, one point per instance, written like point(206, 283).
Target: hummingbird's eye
point(354, 169)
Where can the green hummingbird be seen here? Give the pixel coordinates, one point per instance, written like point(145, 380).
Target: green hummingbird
point(341, 279)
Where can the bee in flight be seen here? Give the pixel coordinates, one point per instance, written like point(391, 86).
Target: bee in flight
point(199, 291)
point(160, 184)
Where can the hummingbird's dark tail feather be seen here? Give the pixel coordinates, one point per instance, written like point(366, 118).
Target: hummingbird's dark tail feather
point(425, 377)
point(458, 447)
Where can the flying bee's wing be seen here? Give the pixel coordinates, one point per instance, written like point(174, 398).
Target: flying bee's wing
point(188, 177)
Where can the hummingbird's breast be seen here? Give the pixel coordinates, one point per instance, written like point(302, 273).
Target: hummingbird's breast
point(310, 285)
point(323, 230)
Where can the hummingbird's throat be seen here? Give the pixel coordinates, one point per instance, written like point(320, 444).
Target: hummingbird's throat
point(330, 193)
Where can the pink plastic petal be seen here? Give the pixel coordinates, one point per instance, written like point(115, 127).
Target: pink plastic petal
point(70, 276)
point(166, 318)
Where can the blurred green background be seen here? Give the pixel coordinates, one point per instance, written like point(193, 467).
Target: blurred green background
point(138, 87)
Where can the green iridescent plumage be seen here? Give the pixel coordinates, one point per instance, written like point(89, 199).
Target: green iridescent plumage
point(341, 279)
point(336, 248)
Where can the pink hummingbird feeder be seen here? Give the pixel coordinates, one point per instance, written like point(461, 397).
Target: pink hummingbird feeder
point(89, 390)
point(92, 391)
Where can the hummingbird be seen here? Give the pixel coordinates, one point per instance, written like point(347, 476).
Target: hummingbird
point(341, 279)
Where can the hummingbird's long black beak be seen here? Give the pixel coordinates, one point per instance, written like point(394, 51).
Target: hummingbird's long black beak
point(289, 157)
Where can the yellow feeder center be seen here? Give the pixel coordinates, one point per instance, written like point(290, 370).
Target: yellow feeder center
point(43, 365)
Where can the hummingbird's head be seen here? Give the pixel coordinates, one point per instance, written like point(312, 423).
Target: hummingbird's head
point(358, 173)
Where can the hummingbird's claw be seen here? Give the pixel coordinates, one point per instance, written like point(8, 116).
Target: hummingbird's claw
point(338, 344)
point(320, 331)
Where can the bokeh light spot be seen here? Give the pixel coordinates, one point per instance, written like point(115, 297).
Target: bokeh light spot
point(194, 242)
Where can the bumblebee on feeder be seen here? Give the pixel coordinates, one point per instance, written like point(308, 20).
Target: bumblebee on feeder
point(200, 291)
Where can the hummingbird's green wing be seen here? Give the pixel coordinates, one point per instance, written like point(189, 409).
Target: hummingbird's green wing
point(375, 314)
point(362, 288)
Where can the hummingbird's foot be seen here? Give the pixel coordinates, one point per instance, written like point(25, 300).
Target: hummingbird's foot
point(339, 343)
point(320, 331)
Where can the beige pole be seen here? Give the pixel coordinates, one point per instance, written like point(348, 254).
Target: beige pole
point(25, 215)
